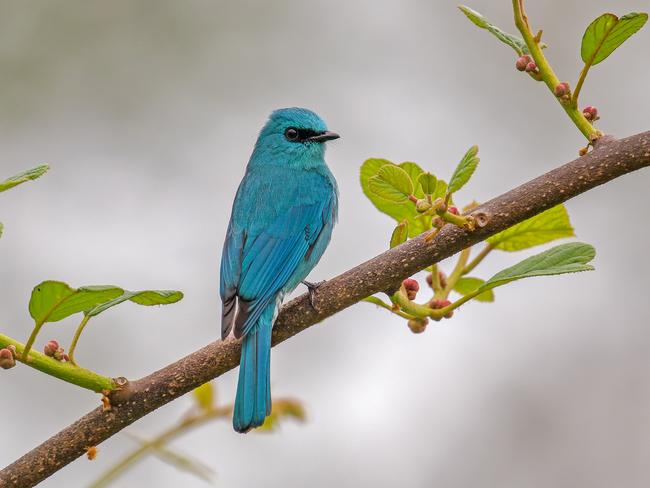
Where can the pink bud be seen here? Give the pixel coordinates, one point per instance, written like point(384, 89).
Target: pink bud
point(531, 67)
point(561, 89)
point(7, 359)
point(453, 210)
point(50, 348)
point(590, 113)
point(522, 62)
point(412, 287)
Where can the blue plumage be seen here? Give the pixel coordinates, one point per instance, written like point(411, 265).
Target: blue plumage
point(281, 223)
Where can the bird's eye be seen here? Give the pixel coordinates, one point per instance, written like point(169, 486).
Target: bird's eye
point(291, 134)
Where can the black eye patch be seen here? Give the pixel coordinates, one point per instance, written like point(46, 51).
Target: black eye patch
point(295, 134)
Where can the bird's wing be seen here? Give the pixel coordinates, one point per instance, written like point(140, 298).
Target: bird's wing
point(277, 219)
point(270, 258)
point(230, 272)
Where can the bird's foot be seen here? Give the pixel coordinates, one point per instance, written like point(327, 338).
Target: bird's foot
point(311, 289)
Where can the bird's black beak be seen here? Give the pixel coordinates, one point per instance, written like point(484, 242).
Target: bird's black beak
point(324, 136)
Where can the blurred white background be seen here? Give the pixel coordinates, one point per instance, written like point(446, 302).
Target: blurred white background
point(147, 112)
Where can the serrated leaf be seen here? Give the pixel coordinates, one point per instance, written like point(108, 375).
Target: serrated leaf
point(400, 234)
point(52, 301)
point(548, 226)
point(565, 258)
point(392, 183)
point(428, 182)
point(30, 174)
point(204, 396)
point(468, 284)
point(142, 297)
point(606, 33)
point(515, 42)
point(464, 170)
point(398, 211)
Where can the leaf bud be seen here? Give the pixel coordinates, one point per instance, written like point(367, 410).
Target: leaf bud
point(422, 205)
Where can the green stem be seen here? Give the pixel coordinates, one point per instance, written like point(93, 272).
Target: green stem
point(413, 308)
point(32, 338)
point(477, 260)
point(75, 339)
point(581, 80)
point(64, 371)
point(457, 271)
point(187, 424)
point(380, 303)
point(435, 278)
point(547, 73)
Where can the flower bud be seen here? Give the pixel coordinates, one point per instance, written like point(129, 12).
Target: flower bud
point(412, 287)
point(531, 67)
point(590, 113)
point(561, 89)
point(7, 359)
point(453, 210)
point(418, 325)
point(522, 62)
point(50, 348)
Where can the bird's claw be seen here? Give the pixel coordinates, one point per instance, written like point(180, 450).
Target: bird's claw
point(311, 289)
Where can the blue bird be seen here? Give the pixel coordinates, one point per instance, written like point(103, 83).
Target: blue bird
point(281, 223)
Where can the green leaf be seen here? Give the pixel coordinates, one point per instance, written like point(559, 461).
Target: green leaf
point(542, 228)
point(392, 183)
point(284, 408)
point(464, 170)
point(414, 171)
point(173, 457)
point(52, 301)
point(204, 396)
point(30, 174)
point(441, 191)
point(565, 258)
point(143, 297)
point(184, 462)
point(428, 182)
point(607, 33)
point(468, 284)
point(516, 43)
point(400, 234)
point(398, 211)
point(2, 228)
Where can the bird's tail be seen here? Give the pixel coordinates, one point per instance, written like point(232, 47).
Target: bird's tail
point(253, 400)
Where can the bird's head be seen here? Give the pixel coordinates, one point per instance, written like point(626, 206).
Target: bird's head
point(293, 136)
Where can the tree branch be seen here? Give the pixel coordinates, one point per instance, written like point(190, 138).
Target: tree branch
point(610, 159)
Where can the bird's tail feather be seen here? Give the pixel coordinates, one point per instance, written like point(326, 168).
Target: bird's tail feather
point(253, 400)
